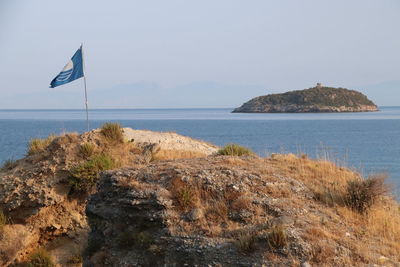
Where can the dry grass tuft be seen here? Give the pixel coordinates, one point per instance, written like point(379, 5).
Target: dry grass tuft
point(3, 220)
point(9, 165)
point(361, 194)
point(86, 150)
point(322, 253)
point(186, 196)
point(384, 221)
point(217, 211)
point(112, 132)
point(68, 138)
point(246, 243)
point(234, 150)
point(168, 154)
point(277, 238)
point(37, 145)
point(242, 202)
point(316, 233)
point(235, 161)
point(41, 258)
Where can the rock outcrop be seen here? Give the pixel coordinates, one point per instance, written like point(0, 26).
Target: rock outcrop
point(221, 211)
point(43, 208)
point(160, 199)
point(316, 99)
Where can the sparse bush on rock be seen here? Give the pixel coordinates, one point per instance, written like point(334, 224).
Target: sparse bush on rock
point(361, 194)
point(112, 132)
point(85, 175)
point(234, 150)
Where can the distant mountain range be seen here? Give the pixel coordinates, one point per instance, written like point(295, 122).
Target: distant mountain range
point(152, 95)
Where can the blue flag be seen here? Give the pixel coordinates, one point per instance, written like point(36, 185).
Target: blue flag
point(72, 71)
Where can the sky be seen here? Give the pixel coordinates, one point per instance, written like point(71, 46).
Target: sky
point(192, 54)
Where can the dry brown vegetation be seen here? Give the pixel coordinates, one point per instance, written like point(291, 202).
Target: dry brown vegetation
point(37, 145)
point(246, 242)
point(41, 258)
point(176, 154)
point(9, 164)
point(86, 150)
point(3, 220)
point(75, 160)
point(12, 238)
point(369, 218)
point(344, 209)
point(363, 204)
point(112, 132)
point(277, 238)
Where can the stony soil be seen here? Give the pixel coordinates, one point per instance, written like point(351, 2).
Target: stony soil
point(38, 200)
point(199, 212)
point(169, 141)
point(158, 208)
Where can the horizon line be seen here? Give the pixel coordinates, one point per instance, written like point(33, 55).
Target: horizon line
point(64, 109)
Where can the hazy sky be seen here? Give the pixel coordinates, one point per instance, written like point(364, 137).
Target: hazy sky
point(186, 53)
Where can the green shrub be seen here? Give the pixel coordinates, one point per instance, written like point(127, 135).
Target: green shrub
point(246, 243)
point(3, 219)
point(86, 150)
point(9, 164)
point(41, 258)
point(361, 194)
point(277, 238)
point(234, 150)
point(84, 176)
point(112, 132)
point(37, 145)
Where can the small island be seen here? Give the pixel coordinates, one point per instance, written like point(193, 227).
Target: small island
point(316, 99)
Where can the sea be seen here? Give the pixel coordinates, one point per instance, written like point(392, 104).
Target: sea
point(365, 142)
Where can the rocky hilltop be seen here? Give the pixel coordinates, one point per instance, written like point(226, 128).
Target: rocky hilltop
point(123, 197)
point(316, 99)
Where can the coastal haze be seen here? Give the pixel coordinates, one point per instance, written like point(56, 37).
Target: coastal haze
point(180, 54)
point(200, 133)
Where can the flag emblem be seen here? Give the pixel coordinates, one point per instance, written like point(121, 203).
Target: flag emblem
point(65, 74)
point(73, 70)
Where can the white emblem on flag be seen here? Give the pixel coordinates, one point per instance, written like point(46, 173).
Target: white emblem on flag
point(66, 72)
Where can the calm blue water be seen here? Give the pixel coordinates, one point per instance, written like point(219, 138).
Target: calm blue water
point(367, 141)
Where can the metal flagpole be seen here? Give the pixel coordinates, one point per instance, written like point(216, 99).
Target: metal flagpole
point(84, 80)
